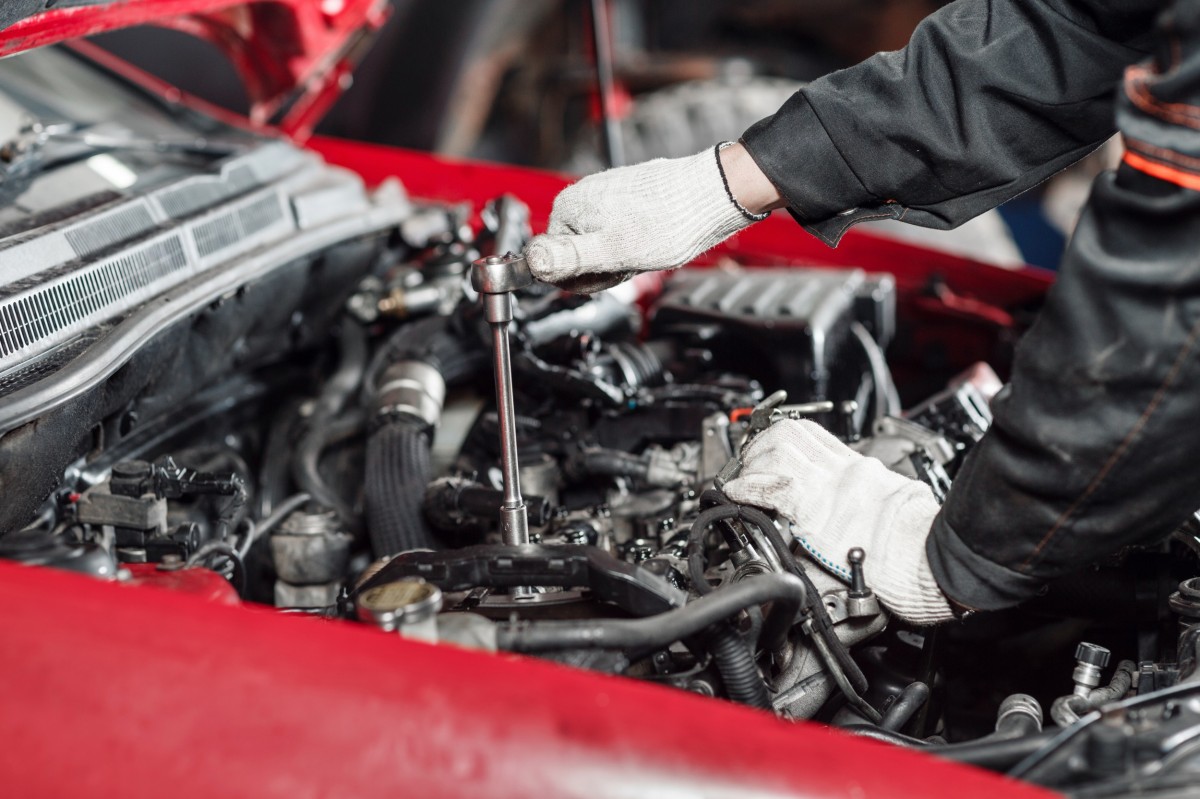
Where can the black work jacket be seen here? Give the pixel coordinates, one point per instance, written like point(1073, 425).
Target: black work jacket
point(1095, 439)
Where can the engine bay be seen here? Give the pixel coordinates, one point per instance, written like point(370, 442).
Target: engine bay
point(245, 376)
point(350, 466)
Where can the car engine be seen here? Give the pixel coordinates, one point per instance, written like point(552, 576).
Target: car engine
point(358, 407)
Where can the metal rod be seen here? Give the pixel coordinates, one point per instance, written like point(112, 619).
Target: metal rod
point(514, 523)
point(602, 52)
point(508, 431)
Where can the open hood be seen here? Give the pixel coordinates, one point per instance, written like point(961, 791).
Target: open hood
point(294, 56)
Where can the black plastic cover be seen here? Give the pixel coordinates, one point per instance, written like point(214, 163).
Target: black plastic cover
point(791, 326)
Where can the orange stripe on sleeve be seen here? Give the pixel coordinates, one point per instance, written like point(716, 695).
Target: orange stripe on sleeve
point(1188, 180)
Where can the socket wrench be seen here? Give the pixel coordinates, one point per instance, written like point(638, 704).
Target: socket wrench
point(496, 278)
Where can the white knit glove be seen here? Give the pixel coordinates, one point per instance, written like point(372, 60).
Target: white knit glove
point(836, 499)
point(651, 216)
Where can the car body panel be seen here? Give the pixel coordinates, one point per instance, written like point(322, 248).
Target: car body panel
point(294, 56)
point(130, 690)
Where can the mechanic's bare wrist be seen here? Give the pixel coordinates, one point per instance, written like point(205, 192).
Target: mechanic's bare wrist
point(749, 185)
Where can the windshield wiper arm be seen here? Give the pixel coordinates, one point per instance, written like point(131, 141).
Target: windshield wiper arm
point(23, 156)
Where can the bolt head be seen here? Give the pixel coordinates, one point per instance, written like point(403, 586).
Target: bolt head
point(1092, 655)
point(856, 555)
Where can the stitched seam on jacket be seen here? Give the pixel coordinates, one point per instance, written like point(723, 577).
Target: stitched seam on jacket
point(866, 218)
point(1119, 452)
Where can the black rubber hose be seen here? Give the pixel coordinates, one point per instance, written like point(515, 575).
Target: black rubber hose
point(725, 511)
point(887, 736)
point(405, 344)
point(398, 453)
point(1018, 734)
point(753, 634)
point(994, 754)
point(453, 358)
point(398, 471)
point(306, 471)
point(338, 389)
point(695, 544)
point(431, 341)
point(1067, 710)
point(823, 624)
point(735, 663)
point(273, 471)
point(1027, 769)
point(610, 463)
point(906, 705)
point(655, 632)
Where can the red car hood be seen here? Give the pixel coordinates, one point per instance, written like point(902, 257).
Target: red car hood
point(293, 54)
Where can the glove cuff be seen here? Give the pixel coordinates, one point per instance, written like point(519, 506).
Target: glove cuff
point(729, 192)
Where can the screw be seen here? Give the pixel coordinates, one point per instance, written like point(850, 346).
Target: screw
point(858, 584)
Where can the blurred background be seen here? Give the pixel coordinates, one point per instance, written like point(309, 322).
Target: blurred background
point(516, 81)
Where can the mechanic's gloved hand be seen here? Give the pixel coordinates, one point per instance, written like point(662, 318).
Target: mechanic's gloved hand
point(651, 216)
point(837, 499)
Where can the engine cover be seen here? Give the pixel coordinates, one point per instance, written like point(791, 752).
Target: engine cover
point(789, 327)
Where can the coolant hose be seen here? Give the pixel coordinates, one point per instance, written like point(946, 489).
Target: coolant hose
point(995, 754)
point(398, 471)
point(655, 632)
point(406, 386)
point(408, 405)
point(611, 463)
point(735, 663)
point(431, 341)
point(905, 707)
point(734, 660)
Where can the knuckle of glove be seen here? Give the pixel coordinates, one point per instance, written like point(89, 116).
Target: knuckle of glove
point(575, 207)
point(562, 213)
point(771, 490)
point(552, 258)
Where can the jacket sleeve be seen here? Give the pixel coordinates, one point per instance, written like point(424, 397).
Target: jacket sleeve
point(989, 98)
point(1094, 442)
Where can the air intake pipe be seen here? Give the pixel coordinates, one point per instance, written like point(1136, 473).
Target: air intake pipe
point(407, 408)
